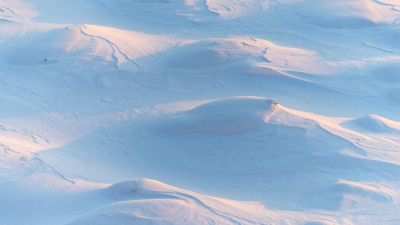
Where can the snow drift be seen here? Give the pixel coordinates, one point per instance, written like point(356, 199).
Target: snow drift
point(65, 43)
point(148, 91)
point(345, 14)
point(234, 115)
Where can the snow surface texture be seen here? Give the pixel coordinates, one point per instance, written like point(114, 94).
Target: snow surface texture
point(255, 112)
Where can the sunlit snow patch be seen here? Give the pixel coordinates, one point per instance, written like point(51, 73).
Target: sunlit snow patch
point(66, 44)
point(345, 13)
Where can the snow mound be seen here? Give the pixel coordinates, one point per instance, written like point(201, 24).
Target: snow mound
point(89, 46)
point(151, 211)
point(249, 141)
point(68, 44)
point(211, 53)
point(194, 10)
point(342, 192)
point(249, 55)
point(136, 186)
point(362, 190)
point(130, 46)
point(345, 13)
point(377, 124)
point(232, 115)
point(144, 201)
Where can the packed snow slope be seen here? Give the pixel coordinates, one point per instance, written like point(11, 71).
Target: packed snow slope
point(199, 112)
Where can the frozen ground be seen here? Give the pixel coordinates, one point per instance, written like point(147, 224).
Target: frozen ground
point(199, 112)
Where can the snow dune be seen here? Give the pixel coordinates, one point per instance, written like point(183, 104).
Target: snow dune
point(199, 112)
point(83, 45)
point(171, 11)
point(242, 54)
point(148, 201)
point(195, 10)
point(346, 14)
point(57, 44)
point(252, 142)
point(235, 115)
point(377, 124)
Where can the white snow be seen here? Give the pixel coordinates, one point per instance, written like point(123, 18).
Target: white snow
point(199, 112)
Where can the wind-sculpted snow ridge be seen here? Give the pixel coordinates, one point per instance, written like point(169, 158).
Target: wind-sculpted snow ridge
point(195, 10)
point(235, 115)
point(147, 201)
point(60, 43)
point(86, 44)
point(377, 124)
point(325, 13)
point(347, 13)
point(245, 55)
point(169, 11)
